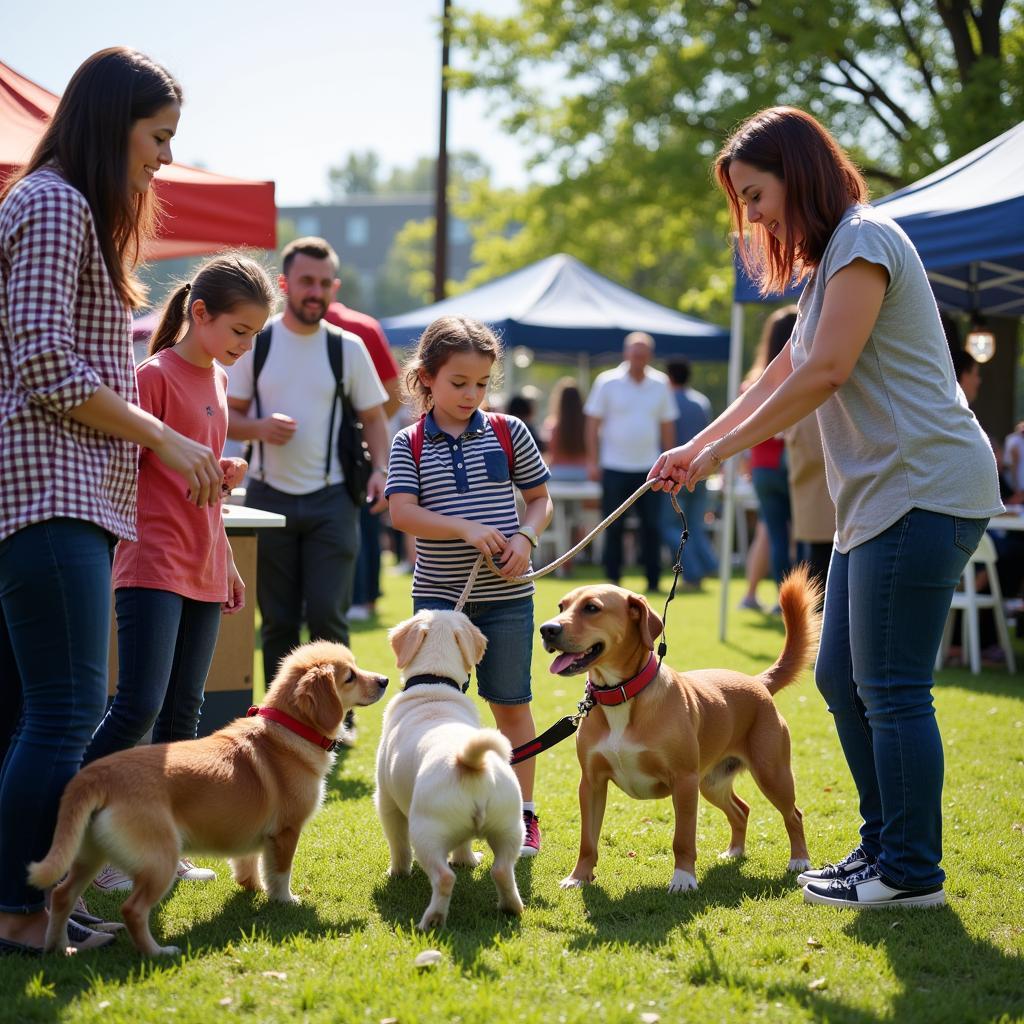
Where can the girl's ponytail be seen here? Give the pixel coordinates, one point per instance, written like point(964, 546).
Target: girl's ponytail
point(172, 319)
point(223, 282)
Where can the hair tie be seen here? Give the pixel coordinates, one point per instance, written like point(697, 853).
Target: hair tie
point(188, 287)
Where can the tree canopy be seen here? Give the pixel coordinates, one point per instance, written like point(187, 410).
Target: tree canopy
point(625, 103)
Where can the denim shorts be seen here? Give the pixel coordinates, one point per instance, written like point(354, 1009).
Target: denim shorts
point(503, 676)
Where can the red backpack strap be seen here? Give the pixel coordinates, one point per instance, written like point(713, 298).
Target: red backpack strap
point(503, 432)
point(416, 441)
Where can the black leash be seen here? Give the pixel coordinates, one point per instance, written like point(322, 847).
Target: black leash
point(565, 727)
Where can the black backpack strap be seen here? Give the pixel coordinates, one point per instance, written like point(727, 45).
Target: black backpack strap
point(336, 354)
point(259, 357)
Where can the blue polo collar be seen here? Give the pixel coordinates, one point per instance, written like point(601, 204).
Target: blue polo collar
point(477, 426)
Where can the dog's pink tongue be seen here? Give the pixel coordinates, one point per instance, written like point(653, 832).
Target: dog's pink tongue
point(562, 662)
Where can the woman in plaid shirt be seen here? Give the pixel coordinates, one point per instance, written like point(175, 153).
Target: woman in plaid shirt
point(72, 224)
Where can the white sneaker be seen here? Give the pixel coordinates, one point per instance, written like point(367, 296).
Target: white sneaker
point(359, 613)
point(189, 872)
point(866, 890)
point(112, 879)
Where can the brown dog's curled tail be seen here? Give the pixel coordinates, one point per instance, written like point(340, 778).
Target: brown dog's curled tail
point(800, 598)
point(472, 754)
point(82, 798)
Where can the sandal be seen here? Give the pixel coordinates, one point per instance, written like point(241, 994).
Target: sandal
point(82, 916)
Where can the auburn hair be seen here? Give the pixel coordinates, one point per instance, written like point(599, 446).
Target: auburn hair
point(821, 182)
point(87, 140)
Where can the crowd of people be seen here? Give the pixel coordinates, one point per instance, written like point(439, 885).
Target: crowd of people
point(113, 474)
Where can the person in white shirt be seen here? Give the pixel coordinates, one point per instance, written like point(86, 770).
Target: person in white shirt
point(630, 415)
point(308, 565)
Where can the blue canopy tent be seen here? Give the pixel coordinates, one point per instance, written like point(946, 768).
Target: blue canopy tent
point(559, 306)
point(967, 222)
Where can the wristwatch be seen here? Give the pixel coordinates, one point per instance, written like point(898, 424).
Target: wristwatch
point(530, 534)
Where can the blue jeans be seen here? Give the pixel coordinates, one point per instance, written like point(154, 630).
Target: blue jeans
point(885, 608)
point(503, 675)
point(772, 489)
point(55, 606)
point(616, 487)
point(366, 584)
point(698, 555)
point(305, 569)
point(165, 644)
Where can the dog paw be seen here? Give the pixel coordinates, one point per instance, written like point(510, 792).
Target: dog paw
point(682, 881)
point(511, 907)
point(798, 864)
point(289, 899)
point(399, 870)
point(432, 920)
point(572, 882)
point(167, 951)
point(733, 853)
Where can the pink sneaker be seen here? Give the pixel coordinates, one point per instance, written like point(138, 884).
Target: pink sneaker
point(531, 844)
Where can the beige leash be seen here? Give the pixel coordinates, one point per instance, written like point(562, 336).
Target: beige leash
point(562, 559)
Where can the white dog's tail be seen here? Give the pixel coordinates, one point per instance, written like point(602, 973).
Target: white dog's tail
point(472, 754)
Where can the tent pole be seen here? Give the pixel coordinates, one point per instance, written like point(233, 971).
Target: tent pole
point(729, 481)
point(583, 373)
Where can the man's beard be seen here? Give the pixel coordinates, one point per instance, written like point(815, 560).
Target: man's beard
point(304, 316)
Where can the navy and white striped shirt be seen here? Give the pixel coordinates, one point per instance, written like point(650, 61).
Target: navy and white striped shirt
point(467, 477)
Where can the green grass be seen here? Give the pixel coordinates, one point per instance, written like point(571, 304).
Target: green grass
point(744, 947)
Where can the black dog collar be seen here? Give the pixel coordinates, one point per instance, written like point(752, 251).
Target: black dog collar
point(426, 678)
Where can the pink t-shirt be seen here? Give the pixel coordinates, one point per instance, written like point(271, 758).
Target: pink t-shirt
point(181, 548)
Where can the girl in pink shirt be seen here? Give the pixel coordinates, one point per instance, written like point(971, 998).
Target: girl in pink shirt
point(174, 582)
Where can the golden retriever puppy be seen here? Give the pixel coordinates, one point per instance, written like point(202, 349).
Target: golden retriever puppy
point(244, 792)
point(441, 779)
point(658, 733)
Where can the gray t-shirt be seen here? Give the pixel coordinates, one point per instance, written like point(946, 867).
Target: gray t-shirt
point(898, 434)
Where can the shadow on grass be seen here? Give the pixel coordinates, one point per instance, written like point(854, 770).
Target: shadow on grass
point(475, 923)
point(342, 786)
point(244, 916)
point(645, 915)
point(944, 974)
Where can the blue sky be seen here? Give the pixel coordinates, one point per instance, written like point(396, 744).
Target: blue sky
point(279, 90)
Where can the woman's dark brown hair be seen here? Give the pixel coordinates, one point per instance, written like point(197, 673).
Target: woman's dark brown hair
point(224, 282)
point(87, 139)
point(565, 412)
point(821, 184)
point(444, 338)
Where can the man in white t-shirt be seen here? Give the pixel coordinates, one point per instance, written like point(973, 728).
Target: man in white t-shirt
point(305, 569)
point(631, 418)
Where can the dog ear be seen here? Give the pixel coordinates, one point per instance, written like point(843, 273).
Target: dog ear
point(472, 643)
point(316, 697)
point(406, 639)
point(648, 623)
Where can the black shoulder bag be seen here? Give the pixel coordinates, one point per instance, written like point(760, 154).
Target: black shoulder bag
point(353, 451)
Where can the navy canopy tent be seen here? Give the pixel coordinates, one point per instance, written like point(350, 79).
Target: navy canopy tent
point(560, 306)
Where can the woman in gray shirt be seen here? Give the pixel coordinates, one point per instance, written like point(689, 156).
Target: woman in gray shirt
point(910, 471)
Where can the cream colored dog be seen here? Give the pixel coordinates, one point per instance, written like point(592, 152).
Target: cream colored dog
point(441, 779)
point(244, 792)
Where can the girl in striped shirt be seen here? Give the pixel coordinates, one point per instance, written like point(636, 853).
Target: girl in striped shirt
point(450, 485)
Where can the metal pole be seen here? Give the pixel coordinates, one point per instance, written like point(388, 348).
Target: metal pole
point(729, 479)
point(441, 174)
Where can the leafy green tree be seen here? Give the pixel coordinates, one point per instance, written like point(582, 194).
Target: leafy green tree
point(625, 102)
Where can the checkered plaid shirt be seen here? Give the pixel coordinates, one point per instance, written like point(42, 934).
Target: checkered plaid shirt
point(63, 332)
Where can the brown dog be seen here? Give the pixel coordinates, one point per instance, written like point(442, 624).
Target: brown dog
point(681, 732)
point(244, 792)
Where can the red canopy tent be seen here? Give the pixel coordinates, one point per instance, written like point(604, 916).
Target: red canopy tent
point(203, 212)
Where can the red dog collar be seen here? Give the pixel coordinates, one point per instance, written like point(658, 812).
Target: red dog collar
point(295, 726)
point(624, 691)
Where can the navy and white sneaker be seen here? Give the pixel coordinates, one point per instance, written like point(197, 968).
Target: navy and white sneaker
point(853, 862)
point(867, 890)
